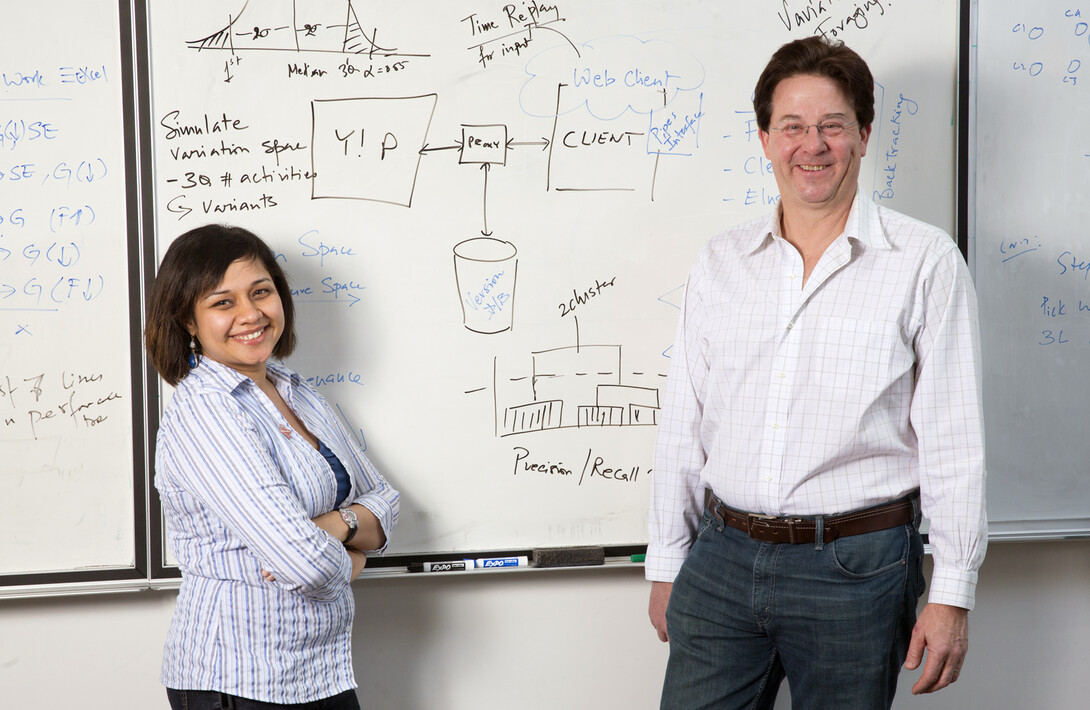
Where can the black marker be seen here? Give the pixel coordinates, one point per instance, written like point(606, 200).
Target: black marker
point(452, 566)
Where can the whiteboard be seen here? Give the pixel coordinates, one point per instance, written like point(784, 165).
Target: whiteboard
point(1030, 258)
point(68, 492)
point(488, 211)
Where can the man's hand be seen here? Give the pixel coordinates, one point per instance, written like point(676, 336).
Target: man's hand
point(656, 609)
point(943, 631)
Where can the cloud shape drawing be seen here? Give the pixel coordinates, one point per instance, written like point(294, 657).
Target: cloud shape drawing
point(608, 76)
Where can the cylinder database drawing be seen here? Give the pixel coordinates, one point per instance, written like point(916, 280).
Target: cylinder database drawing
point(484, 269)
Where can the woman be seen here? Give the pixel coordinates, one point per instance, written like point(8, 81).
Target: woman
point(269, 505)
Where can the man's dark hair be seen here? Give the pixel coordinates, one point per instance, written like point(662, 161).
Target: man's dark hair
point(819, 57)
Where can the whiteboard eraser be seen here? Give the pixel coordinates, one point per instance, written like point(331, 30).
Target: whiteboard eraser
point(577, 556)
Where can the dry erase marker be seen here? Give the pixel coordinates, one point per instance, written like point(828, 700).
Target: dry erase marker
point(495, 562)
point(451, 566)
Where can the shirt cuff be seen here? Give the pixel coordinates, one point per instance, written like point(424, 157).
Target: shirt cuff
point(382, 511)
point(953, 588)
point(663, 563)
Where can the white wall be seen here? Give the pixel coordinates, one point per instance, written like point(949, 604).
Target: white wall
point(557, 639)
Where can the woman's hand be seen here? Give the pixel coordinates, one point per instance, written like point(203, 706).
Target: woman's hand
point(359, 561)
point(334, 524)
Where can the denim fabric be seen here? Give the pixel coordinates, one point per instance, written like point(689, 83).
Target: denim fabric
point(834, 619)
point(211, 700)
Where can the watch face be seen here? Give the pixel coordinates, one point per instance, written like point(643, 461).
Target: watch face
point(350, 518)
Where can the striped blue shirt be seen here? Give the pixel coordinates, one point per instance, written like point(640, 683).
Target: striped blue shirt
point(239, 489)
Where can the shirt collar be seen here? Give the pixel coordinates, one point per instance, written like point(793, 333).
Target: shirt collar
point(770, 230)
point(209, 371)
point(281, 374)
point(864, 225)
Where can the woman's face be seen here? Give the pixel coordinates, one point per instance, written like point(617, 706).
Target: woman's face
point(240, 321)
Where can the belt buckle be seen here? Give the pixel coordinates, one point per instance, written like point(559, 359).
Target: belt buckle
point(762, 522)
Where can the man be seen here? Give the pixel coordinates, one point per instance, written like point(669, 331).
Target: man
point(825, 383)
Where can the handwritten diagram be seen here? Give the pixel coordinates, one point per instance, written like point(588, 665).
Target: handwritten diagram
point(369, 149)
point(486, 270)
point(458, 188)
point(615, 104)
point(607, 111)
point(292, 26)
point(573, 386)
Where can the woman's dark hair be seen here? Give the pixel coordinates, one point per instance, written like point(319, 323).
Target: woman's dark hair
point(820, 57)
point(194, 265)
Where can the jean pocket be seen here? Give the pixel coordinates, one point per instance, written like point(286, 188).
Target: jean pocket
point(709, 522)
point(871, 554)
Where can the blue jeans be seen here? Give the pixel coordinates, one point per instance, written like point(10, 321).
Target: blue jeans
point(211, 700)
point(835, 619)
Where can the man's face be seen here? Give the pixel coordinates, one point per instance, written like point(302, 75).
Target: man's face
point(814, 171)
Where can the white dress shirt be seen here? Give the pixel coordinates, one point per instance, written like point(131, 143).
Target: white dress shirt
point(239, 489)
point(851, 390)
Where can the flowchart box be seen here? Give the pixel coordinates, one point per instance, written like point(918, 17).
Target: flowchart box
point(369, 148)
point(484, 145)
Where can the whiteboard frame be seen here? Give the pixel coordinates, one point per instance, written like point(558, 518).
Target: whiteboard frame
point(135, 576)
point(1013, 530)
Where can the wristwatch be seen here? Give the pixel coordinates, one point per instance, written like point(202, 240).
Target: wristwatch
point(351, 521)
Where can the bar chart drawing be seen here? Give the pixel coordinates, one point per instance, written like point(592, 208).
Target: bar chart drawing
point(573, 386)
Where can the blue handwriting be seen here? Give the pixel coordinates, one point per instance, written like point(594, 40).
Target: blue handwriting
point(15, 131)
point(322, 250)
point(1018, 247)
point(1068, 262)
point(904, 106)
point(336, 378)
point(337, 288)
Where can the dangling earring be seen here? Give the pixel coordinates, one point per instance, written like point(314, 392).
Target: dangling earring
point(192, 351)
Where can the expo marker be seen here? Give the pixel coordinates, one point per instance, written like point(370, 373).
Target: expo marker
point(497, 562)
point(451, 566)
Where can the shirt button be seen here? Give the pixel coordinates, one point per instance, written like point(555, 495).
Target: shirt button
point(768, 478)
point(775, 427)
point(783, 375)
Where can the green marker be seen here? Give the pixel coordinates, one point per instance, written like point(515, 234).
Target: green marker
point(637, 558)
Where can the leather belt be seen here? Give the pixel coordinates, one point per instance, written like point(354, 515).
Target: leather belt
point(794, 530)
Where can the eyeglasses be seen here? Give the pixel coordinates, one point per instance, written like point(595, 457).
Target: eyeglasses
point(826, 129)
